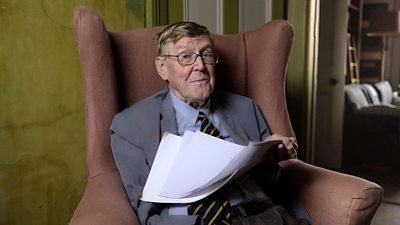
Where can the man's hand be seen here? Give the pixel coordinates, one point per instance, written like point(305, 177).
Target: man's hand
point(288, 148)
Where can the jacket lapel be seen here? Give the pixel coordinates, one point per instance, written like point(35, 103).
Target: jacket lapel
point(165, 122)
point(167, 117)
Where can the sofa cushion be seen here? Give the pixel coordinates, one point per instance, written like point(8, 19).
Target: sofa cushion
point(385, 91)
point(371, 94)
point(355, 97)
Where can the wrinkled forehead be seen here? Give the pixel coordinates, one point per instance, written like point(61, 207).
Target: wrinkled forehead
point(198, 43)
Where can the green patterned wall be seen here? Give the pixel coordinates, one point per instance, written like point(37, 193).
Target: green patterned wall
point(42, 137)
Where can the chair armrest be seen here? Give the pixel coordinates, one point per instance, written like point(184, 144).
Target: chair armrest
point(104, 203)
point(333, 198)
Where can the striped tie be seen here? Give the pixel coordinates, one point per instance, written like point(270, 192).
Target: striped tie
point(215, 209)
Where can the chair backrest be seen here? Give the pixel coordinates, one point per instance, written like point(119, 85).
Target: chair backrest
point(118, 70)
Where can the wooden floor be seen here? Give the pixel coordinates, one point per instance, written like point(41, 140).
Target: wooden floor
point(387, 214)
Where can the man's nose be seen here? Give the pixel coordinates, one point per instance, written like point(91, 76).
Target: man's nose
point(199, 63)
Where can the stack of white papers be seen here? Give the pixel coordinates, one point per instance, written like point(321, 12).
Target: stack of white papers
point(191, 167)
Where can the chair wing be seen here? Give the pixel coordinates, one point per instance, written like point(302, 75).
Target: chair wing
point(104, 200)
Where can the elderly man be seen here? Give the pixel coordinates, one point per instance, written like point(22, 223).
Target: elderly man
point(186, 62)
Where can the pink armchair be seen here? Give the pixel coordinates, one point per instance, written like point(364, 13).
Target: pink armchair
point(118, 70)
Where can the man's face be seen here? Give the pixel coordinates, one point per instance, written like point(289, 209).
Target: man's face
point(194, 83)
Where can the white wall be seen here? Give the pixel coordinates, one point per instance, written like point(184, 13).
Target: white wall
point(252, 14)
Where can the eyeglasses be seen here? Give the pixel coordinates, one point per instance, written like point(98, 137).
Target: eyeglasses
point(188, 58)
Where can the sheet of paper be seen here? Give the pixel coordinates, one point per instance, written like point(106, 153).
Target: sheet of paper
point(250, 156)
point(165, 157)
point(189, 168)
point(199, 160)
point(163, 162)
point(154, 197)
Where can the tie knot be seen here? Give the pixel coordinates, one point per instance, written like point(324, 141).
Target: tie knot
point(201, 117)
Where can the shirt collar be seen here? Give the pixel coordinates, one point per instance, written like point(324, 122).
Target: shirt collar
point(187, 111)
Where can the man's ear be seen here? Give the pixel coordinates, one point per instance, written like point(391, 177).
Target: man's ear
point(160, 66)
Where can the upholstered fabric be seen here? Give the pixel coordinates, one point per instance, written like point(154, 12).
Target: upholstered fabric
point(385, 91)
point(333, 198)
point(355, 97)
point(118, 70)
point(371, 98)
point(371, 94)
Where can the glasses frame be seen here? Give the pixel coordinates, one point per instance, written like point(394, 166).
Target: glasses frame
point(215, 55)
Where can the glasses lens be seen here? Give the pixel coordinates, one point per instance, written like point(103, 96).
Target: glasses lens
point(190, 57)
point(187, 58)
point(209, 57)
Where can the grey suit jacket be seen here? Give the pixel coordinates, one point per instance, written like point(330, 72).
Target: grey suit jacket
point(136, 133)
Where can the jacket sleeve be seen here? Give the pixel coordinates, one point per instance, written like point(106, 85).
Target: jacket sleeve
point(262, 126)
